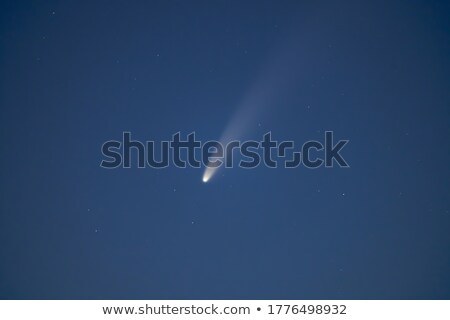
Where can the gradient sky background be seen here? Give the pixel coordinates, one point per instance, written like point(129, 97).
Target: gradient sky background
point(73, 75)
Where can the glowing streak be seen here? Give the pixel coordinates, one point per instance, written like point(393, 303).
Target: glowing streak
point(236, 128)
point(208, 173)
point(278, 76)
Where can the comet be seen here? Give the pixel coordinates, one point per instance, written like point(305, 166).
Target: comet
point(245, 118)
point(275, 79)
point(239, 124)
point(207, 175)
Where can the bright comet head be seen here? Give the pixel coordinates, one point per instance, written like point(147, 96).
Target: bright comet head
point(208, 174)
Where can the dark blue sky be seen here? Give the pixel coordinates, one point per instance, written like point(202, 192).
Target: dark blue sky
point(73, 75)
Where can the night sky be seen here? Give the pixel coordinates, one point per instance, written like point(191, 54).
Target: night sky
point(76, 74)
